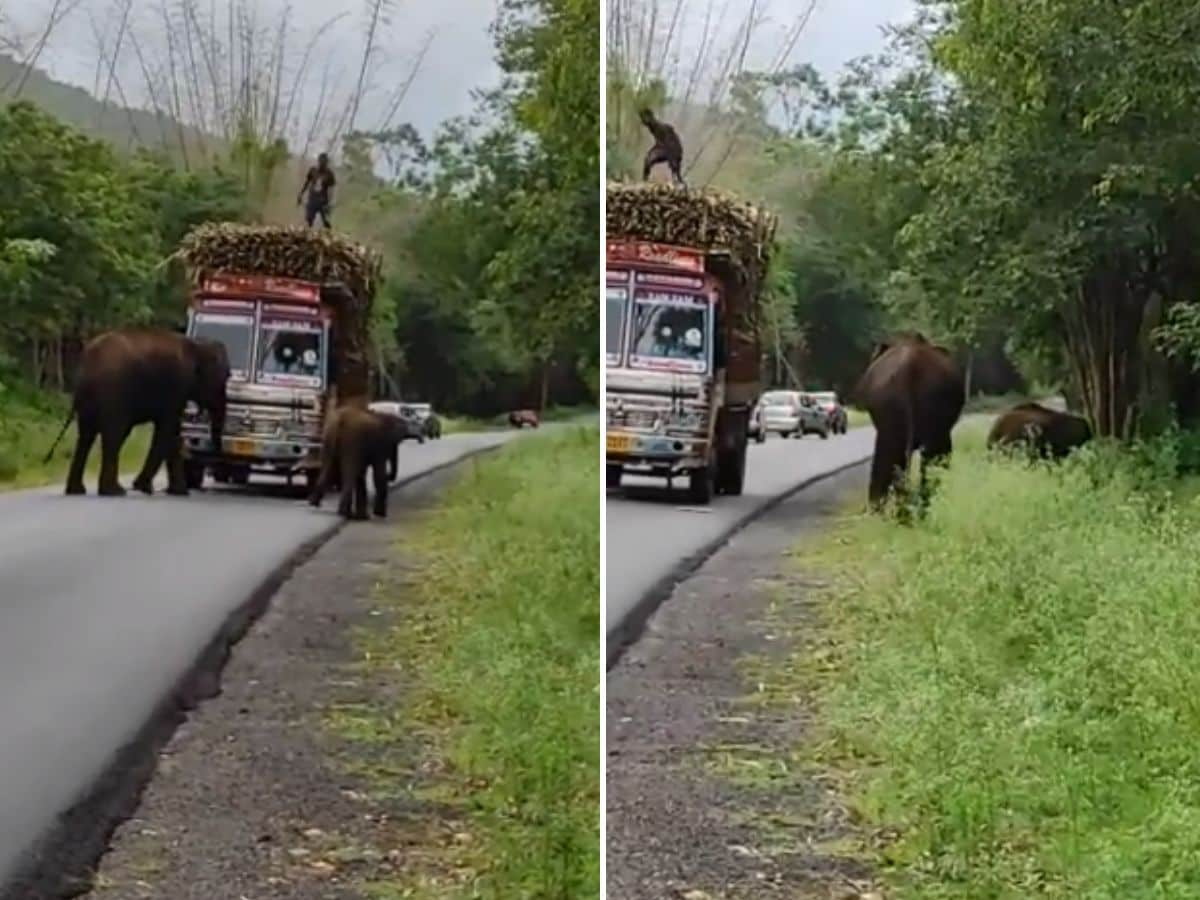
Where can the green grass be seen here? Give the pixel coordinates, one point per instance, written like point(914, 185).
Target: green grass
point(1015, 679)
point(502, 642)
point(29, 423)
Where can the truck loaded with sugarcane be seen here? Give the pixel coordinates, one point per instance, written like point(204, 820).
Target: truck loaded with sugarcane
point(292, 308)
point(685, 269)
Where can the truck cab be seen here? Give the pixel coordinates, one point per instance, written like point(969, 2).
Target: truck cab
point(278, 335)
point(668, 411)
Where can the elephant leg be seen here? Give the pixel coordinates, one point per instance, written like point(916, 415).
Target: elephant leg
point(934, 454)
point(347, 478)
point(360, 494)
point(889, 464)
point(112, 437)
point(84, 440)
point(380, 473)
point(154, 456)
point(321, 484)
point(173, 453)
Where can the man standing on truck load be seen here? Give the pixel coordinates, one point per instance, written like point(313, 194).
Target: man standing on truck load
point(318, 184)
point(667, 147)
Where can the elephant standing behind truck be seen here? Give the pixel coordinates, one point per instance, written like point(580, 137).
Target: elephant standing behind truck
point(133, 376)
point(355, 440)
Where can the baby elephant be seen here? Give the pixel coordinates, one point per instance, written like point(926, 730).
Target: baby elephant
point(356, 440)
point(1046, 432)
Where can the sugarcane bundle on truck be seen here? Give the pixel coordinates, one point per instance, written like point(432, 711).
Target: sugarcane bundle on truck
point(292, 307)
point(685, 270)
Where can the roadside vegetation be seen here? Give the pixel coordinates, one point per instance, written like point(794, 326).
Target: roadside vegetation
point(29, 422)
point(1007, 685)
point(497, 652)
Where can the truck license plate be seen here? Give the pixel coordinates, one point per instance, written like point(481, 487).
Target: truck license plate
point(242, 447)
point(618, 443)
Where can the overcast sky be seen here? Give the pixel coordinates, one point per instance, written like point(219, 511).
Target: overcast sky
point(461, 57)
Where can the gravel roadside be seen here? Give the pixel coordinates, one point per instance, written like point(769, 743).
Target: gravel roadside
point(253, 798)
point(705, 796)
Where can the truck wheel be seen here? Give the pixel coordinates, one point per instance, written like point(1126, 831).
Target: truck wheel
point(193, 474)
point(701, 486)
point(612, 477)
point(240, 476)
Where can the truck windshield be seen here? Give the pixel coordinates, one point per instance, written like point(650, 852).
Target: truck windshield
point(614, 325)
point(235, 332)
point(290, 353)
point(670, 332)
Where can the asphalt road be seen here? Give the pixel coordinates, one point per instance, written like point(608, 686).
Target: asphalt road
point(651, 532)
point(106, 602)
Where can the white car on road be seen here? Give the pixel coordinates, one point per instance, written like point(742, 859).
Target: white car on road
point(789, 413)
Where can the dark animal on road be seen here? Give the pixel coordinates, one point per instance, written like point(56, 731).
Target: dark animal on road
point(138, 375)
point(356, 440)
point(519, 418)
point(914, 393)
point(433, 427)
point(1044, 432)
point(667, 147)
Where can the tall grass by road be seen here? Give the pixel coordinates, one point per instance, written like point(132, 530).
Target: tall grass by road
point(29, 423)
point(502, 639)
point(1011, 684)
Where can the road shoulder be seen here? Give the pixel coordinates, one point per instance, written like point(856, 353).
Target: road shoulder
point(707, 796)
point(254, 796)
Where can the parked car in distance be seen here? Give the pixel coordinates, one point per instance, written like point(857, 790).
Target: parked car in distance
point(415, 430)
point(789, 413)
point(431, 425)
point(834, 411)
point(519, 418)
point(755, 429)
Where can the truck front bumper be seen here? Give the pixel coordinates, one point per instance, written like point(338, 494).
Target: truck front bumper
point(655, 453)
point(255, 452)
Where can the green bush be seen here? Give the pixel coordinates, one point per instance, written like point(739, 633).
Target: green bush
point(1018, 676)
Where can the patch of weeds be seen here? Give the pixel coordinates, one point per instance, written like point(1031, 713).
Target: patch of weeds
point(1012, 692)
point(496, 644)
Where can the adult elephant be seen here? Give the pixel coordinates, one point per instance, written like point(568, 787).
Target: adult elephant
point(356, 440)
point(137, 375)
point(1045, 432)
point(914, 393)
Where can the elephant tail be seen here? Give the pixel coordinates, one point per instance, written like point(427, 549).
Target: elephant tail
point(54, 446)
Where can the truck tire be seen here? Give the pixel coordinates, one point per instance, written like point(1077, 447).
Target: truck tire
point(701, 485)
point(240, 476)
point(612, 477)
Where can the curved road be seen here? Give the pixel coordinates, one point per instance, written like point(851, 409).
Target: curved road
point(106, 603)
point(652, 534)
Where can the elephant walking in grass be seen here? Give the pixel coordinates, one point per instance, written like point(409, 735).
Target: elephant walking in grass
point(914, 392)
point(135, 376)
point(1044, 432)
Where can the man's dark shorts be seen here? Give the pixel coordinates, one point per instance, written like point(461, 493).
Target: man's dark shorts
point(316, 208)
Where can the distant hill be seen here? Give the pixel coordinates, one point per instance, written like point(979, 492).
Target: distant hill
point(125, 129)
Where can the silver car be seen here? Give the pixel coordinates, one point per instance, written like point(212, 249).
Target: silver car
point(789, 413)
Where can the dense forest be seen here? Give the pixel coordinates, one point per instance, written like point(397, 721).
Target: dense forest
point(1023, 188)
point(489, 227)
